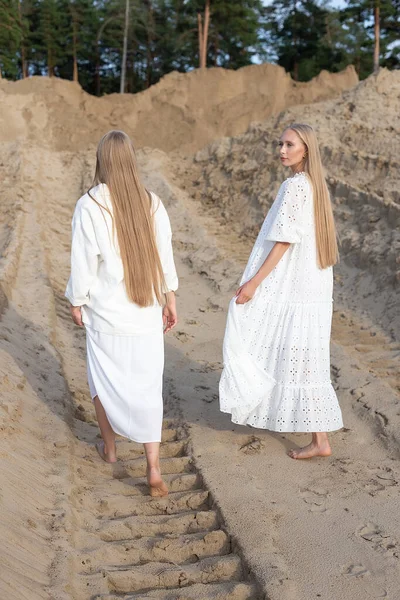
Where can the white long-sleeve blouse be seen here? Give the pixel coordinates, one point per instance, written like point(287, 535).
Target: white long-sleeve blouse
point(97, 275)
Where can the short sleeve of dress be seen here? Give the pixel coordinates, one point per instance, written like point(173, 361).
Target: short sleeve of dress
point(287, 221)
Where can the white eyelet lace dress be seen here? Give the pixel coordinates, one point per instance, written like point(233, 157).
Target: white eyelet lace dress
point(277, 346)
point(125, 345)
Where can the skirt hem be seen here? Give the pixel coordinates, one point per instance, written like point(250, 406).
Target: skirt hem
point(285, 430)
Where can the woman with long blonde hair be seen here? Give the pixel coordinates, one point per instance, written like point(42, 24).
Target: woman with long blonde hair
point(121, 289)
point(277, 343)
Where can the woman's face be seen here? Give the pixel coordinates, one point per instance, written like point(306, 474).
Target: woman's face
point(291, 150)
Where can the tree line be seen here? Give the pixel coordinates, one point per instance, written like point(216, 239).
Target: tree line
point(128, 45)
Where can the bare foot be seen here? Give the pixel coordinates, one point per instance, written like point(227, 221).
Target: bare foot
point(108, 457)
point(310, 451)
point(156, 484)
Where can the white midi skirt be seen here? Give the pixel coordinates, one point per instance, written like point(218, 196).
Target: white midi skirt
point(126, 372)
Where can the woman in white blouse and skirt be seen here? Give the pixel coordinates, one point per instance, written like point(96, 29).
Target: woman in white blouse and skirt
point(121, 289)
point(276, 350)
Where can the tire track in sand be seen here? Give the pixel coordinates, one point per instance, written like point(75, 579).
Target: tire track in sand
point(132, 546)
point(123, 543)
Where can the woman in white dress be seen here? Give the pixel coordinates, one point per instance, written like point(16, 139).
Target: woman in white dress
point(276, 349)
point(121, 289)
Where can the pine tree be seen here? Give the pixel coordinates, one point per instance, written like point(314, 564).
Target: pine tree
point(234, 32)
point(380, 20)
point(78, 57)
point(49, 35)
point(298, 32)
point(11, 35)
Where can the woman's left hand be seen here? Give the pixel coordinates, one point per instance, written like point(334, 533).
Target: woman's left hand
point(76, 314)
point(246, 292)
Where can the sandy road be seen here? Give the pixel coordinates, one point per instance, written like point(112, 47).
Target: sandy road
point(77, 528)
point(324, 528)
point(92, 529)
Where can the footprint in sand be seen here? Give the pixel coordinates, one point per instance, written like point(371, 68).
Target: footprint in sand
point(209, 399)
point(211, 307)
point(381, 542)
point(253, 445)
point(207, 367)
point(182, 336)
point(192, 322)
point(361, 573)
point(206, 397)
point(373, 480)
point(315, 498)
point(213, 304)
point(355, 570)
point(386, 475)
point(382, 478)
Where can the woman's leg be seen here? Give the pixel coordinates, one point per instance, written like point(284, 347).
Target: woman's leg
point(107, 449)
point(319, 447)
point(156, 484)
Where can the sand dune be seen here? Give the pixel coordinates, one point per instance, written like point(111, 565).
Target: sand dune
point(182, 111)
point(359, 133)
point(243, 522)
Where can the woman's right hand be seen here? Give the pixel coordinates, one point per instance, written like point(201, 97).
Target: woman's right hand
point(170, 316)
point(246, 292)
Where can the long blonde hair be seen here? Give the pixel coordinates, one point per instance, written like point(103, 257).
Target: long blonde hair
point(325, 230)
point(132, 218)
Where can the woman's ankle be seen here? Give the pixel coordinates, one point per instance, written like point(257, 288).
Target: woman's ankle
point(110, 448)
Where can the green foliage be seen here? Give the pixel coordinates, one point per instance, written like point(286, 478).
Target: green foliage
point(305, 37)
point(84, 38)
point(233, 35)
point(82, 21)
point(360, 17)
point(12, 27)
point(49, 36)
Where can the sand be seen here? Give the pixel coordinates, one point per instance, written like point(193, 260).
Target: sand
point(182, 111)
point(243, 521)
point(360, 143)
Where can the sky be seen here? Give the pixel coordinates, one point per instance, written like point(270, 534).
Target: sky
point(333, 3)
point(337, 3)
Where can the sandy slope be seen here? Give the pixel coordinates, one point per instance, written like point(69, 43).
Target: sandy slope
point(182, 111)
point(243, 521)
point(74, 527)
point(359, 133)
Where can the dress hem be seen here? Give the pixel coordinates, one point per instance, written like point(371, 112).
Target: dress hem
point(125, 436)
point(314, 430)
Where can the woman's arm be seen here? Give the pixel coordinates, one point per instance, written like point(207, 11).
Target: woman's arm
point(286, 228)
point(164, 245)
point(248, 289)
point(84, 263)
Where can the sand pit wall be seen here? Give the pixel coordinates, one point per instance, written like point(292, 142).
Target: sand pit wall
point(237, 179)
point(183, 111)
point(33, 413)
point(11, 216)
point(69, 505)
point(47, 415)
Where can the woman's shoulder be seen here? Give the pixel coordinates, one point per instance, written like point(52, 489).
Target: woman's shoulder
point(90, 201)
point(299, 182)
point(297, 179)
